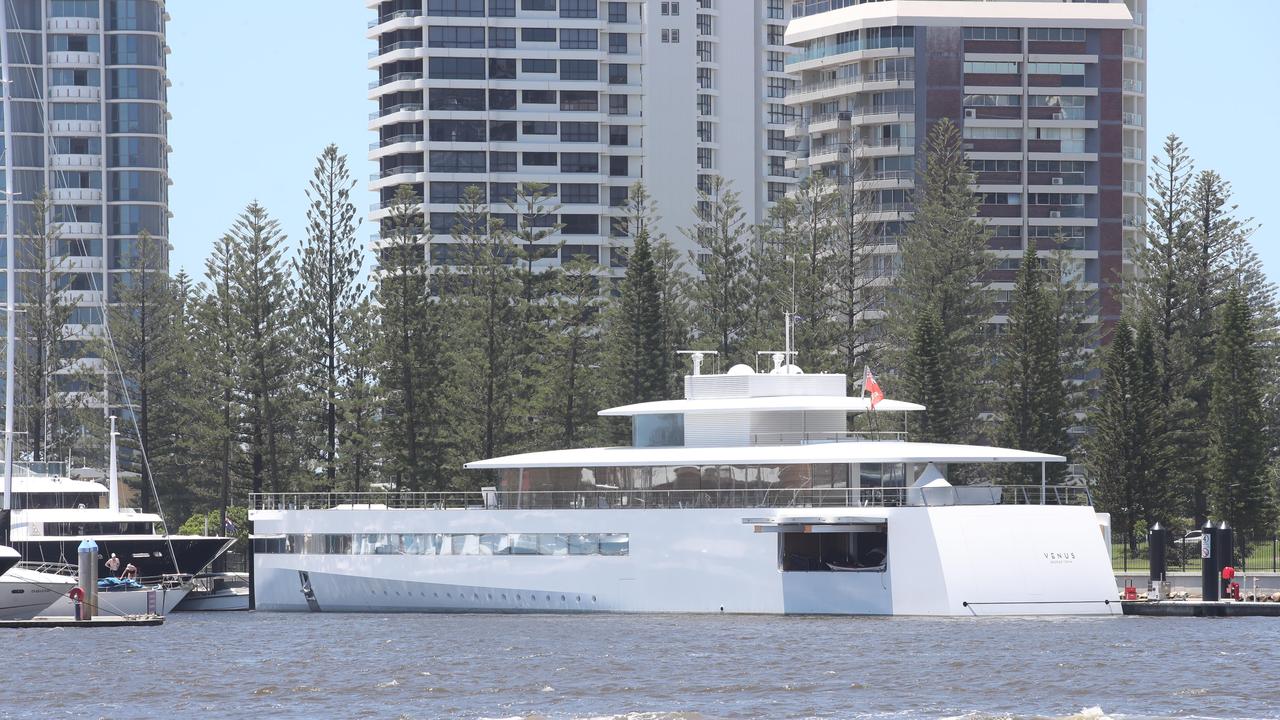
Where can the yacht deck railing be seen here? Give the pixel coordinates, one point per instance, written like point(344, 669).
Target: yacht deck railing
point(678, 499)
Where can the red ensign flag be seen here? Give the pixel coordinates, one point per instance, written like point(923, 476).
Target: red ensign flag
point(870, 385)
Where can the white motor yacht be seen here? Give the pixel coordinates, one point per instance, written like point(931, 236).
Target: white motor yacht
point(749, 495)
point(25, 590)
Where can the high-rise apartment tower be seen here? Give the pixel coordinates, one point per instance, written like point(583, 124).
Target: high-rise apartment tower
point(85, 121)
point(1049, 98)
point(586, 96)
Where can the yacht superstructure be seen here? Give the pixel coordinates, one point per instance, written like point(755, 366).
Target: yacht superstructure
point(52, 513)
point(749, 495)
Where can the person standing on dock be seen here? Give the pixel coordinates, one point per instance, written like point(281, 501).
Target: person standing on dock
point(113, 564)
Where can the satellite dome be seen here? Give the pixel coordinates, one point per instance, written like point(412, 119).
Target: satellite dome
point(787, 369)
point(741, 369)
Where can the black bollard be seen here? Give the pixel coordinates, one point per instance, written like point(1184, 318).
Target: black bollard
point(1223, 541)
point(1157, 539)
point(1208, 563)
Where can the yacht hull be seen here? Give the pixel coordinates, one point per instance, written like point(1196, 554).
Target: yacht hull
point(24, 594)
point(149, 553)
point(956, 560)
point(117, 603)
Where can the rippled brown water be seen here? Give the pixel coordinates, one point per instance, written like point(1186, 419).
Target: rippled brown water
point(644, 667)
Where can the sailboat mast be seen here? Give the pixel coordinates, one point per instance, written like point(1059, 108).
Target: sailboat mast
point(10, 280)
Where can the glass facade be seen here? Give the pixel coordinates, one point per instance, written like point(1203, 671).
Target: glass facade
point(446, 544)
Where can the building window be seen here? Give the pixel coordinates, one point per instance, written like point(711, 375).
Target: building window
point(666, 8)
point(579, 162)
point(537, 97)
point(618, 135)
point(502, 68)
point(992, 33)
point(675, 35)
point(457, 131)
point(1056, 34)
point(777, 61)
point(579, 194)
point(579, 224)
point(502, 162)
point(577, 39)
point(455, 99)
point(618, 43)
point(538, 5)
point(458, 161)
point(666, 35)
point(502, 99)
point(455, 36)
point(990, 68)
point(500, 37)
point(538, 65)
point(1043, 68)
point(617, 74)
point(579, 132)
point(704, 105)
point(531, 35)
point(777, 87)
point(617, 12)
point(579, 70)
point(704, 158)
point(538, 159)
point(704, 25)
point(538, 127)
point(455, 68)
point(774, 35)
point(618, 196)
point(455, 8)
point(992, 133)
point(579, 100)
point(618, 105)
point(502, 8)
point(618, 166)
point(577, 8)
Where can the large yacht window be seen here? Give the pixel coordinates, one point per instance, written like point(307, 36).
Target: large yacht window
point(446, 544)
point(657, 430)
point(865, 551)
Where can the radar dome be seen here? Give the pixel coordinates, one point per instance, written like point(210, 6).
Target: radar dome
point(741, 369)
point(787, 370)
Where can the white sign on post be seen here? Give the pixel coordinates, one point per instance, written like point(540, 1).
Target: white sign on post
point(1205, 541)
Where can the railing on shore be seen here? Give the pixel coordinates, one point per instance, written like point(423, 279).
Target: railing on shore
point(777, 497)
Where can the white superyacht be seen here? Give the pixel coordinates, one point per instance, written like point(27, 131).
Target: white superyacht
point(747, 496)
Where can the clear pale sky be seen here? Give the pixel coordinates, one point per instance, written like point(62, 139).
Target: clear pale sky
point(261, 86)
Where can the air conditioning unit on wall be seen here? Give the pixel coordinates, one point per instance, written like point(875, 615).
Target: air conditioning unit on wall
point(1055, 213)
point(1056, 181)
point(970, 113)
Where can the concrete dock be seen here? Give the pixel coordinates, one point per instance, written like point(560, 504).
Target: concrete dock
point(97, 622)
point(1200, 608)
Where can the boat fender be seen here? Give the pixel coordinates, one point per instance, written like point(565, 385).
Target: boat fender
point(76, 593)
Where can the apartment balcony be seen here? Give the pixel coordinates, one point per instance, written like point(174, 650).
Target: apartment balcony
point(847, 85)
point(1133, 221)
point(1133, 187)
point(1133, 153)
point(1132, 85)
point(396, 47)
point(75, 263)
point(75, 161)
point(403, 107)
point(74, 59)
point(76, 195)
point(398, 139)
point(1134, 52)
point(85, 297)
point(75, 127)
point(80, 229)
point(392, 17)
point(827, 122)
point(75, 25)
point(75, 92)
point(391, 79)
point(1132, 119)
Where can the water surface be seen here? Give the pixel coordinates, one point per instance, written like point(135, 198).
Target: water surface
point(647, 667)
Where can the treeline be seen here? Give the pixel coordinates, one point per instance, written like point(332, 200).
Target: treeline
point(279, 370)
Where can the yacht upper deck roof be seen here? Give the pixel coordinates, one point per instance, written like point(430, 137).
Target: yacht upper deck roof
point(54, 484)
point(834, 452)
point(775, 403)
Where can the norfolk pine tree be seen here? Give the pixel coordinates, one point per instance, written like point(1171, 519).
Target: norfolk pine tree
point(410, 351)
point(1240, 486)
point(719, 294)
point(145, 321)
point(215, 371)
point(572, 384)
point(488, 357)
point(266, 369)
point(944, 267)
point(804, 269)
point(326, 289)
point(45, 350)
point(359, 399)
point(1032, 396)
